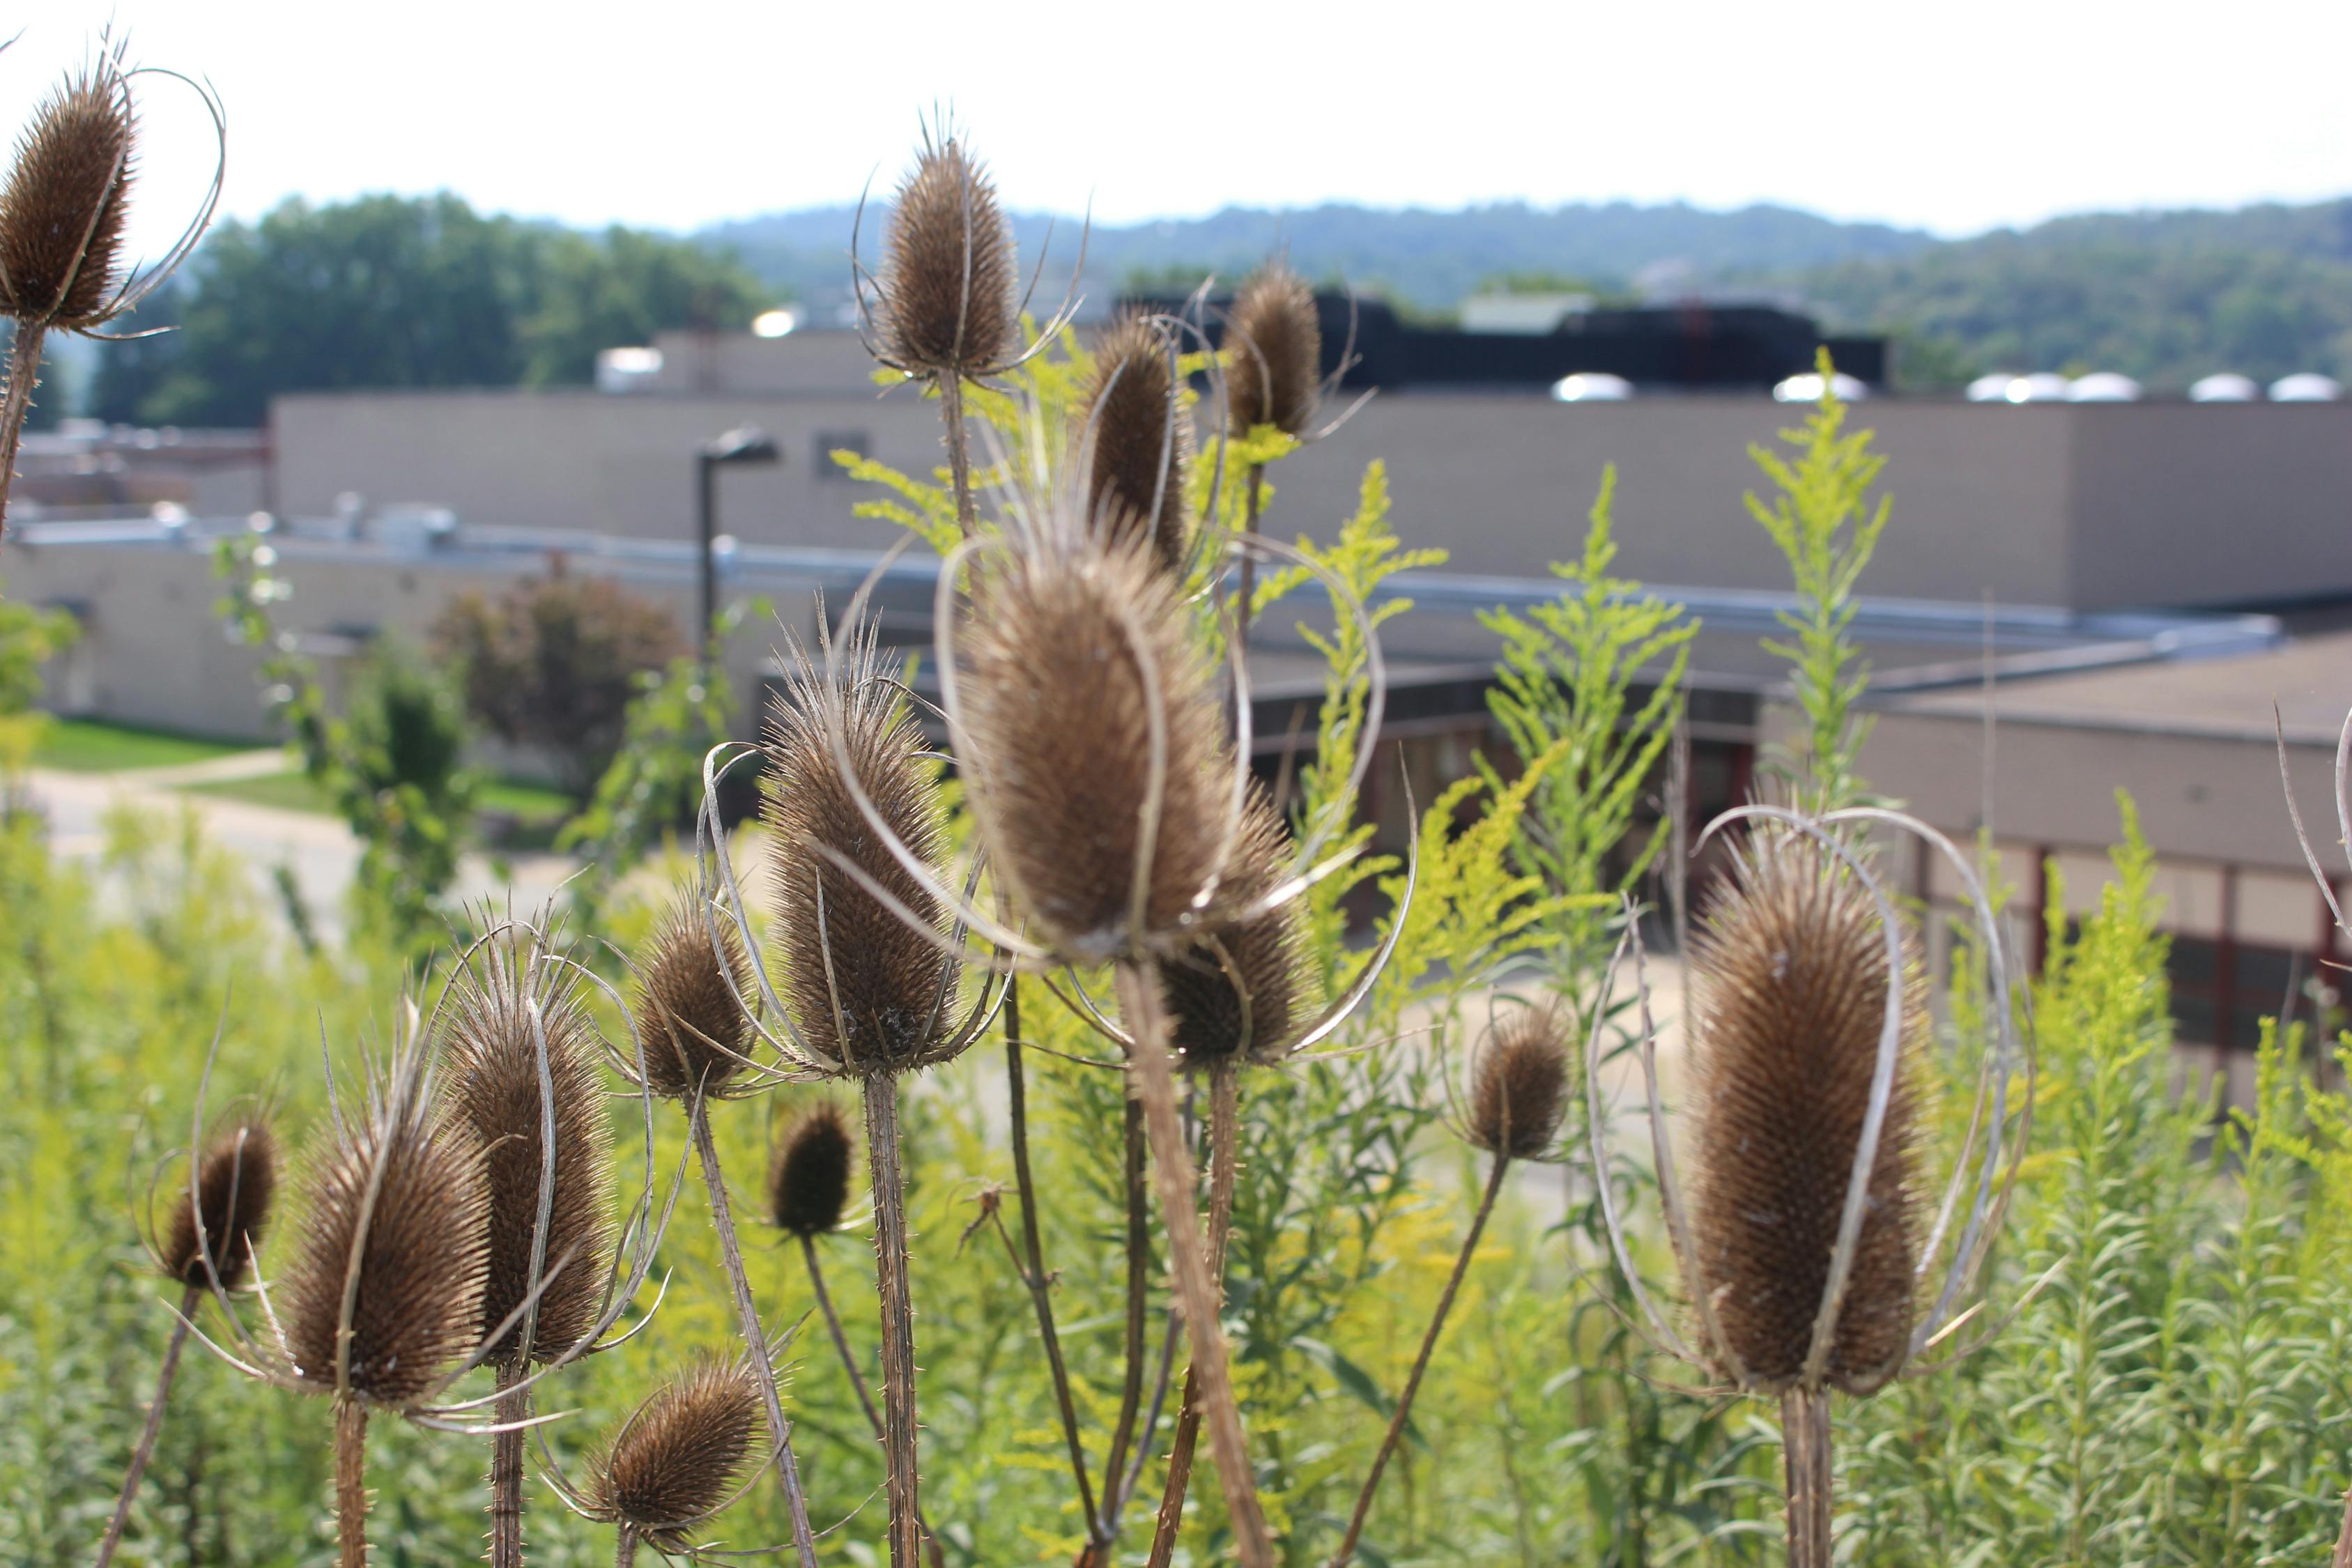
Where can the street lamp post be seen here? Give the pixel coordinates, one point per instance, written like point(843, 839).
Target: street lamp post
point(745, 443)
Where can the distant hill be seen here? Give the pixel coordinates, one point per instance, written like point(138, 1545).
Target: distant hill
point(2166, 296)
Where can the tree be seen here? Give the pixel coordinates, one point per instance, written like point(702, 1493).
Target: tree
point(553, 664)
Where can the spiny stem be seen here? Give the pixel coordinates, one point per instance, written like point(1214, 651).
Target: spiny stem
point(1138, 1285)
point(624, 1555)
point(1147, 1020)
point(146, 1449)
point(1032, 1268)
point(755, 1334)
point(857, 1379)
point(898, 1421)
point(1805, 1450)
point(506, 1468)
point(17, 403)
point(958, 451)
point(1420, 1364)
point(1249, 565)
point(351, 1482)
point(1224, 1137)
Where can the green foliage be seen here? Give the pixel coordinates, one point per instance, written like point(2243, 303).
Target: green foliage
point(29, 637)
point(1567, 684)
point(395, 291)
point(1823, 524)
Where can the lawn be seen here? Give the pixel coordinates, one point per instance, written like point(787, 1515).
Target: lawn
point(90, 746)
point(538, 812)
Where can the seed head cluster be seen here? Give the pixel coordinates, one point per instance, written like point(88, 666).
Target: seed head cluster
point(1788, 1006)
point(808, 1185)
point(1246, 987)
point(63, 208)
point(236, 1180)
point(1519, 1083)
point(1276, 344)
point(498, 1020)
point(693, 1031)
point(675, 1461)
point(1141, 441)
point(948, 274)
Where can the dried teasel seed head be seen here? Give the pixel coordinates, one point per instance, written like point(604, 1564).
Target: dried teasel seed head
point(1519, 1083)
point(948, 305)
point(1067, 653)
point(693, 1031)
point(1142, 440)
point(681, 1453)
point(234, 1180)
point(1789, 1006)
point(63, 208)
point(867, 993)
point(1276, 344)
point(500, 1010)
point(1245, 988)
point(404, 1206)
point(808, 1185)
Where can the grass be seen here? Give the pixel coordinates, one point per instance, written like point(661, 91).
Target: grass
point(537, 812)
point(91, 746)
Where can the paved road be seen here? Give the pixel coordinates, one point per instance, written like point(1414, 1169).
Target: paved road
point(320, 850)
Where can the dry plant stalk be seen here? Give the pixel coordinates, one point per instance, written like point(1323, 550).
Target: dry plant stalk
point(679, 1460)
point(213, 1241)
point(520, 1053)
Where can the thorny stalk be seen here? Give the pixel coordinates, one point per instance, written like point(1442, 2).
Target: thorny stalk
point(505, 1467)
point(832, 1317)
point(958, 451)
point(1249, 562)
point(755, 1335)
point(1147, 1020)
point(1138, 1285)
point(1032, 1267)
point(1224, 1137)
point(898, 1427)
point(17, 403)
point(351, 1482)
point(1805, 1449)
point(1341, 1558)
point(146, 1449)
point(625, 1554)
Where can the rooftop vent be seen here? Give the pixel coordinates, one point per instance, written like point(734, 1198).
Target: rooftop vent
point(2228, 386)
point(627, 370)
point(2103, 386)
point(2306, 386)
point(1591, 386)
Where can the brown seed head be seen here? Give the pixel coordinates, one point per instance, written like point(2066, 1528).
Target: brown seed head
point(867, 993)
point(499, 1010)
point(677, 1458)
point(693, 1029)
point(1789, 1004)
point(1142, 440)
point(1519, 1083)
point(1062, 653)
point(948, 305)
point(404, 1204)
point(235, 1181)
point(1276, 340)
point(62, 209)
point(808, 1185)
point(1244, 988)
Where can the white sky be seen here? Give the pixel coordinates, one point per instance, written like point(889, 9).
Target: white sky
point(1951, 116)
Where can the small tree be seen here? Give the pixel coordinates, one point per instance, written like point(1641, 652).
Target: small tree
point(553, 664)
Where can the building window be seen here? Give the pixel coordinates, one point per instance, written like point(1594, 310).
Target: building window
point(828, 442)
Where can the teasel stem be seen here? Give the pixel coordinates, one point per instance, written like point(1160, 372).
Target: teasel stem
point(755, 1334)
point(1347, 1552)
point(1138, 1286)
point(17, 403)
point(958, 451)
point(351, 1482)
point(1032, 1267)
point(1210, 1377)
point(1805, 1450)
point(189, 1301)
point(826, 1310)
point(900, 1451)
point(625, 1554)
point(505, 1467)
point(1249, 562)
point(1224, 1136)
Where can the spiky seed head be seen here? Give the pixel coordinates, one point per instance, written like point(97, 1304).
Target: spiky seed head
point(947, 282)
point(498, 1011)
point(1519, 1083)
point(1788, 1005)
point(1142, 440)
point(808, 1185)
point(405, 1205)
point(1061, 655)
point(693, 1029)
point(1275, 341)
point(867, 993)
point(236, 1178)
point(677, 1457)
point(1245, 987)
point(62, 209)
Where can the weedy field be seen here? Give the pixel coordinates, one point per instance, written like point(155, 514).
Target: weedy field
point(1003, 1147)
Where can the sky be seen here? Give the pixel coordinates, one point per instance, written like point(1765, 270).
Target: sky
point(1948, 117)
